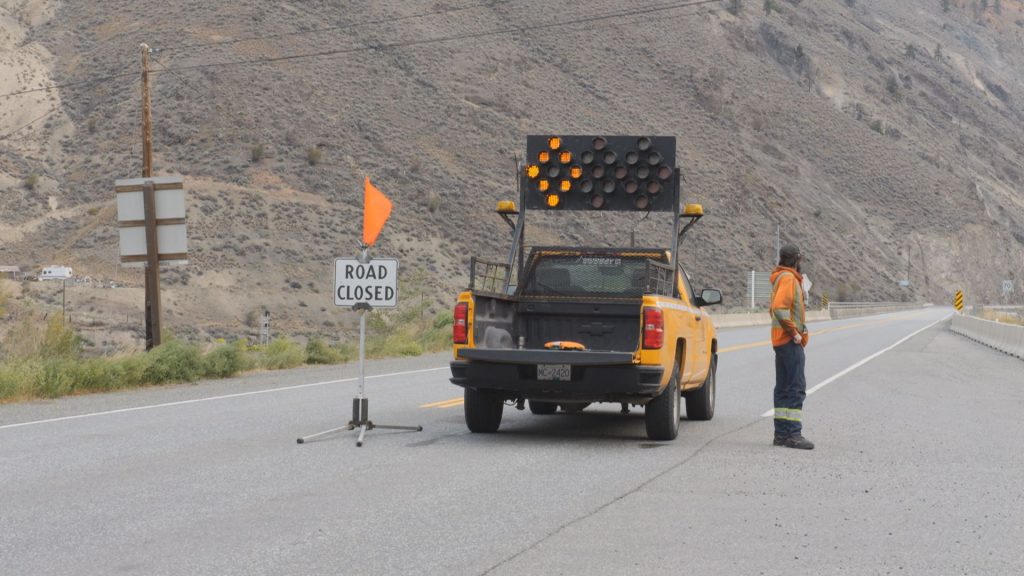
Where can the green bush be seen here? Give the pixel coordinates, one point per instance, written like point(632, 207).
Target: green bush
point(18, 378)
point(59, 340)
point(226, 360)
point(283, 353)
point(173, 361)
point(319, 352)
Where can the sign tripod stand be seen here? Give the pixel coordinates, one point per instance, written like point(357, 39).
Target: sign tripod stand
point(360, 404)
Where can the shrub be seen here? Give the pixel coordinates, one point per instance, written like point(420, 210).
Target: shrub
point(319, 352)
point(892, 85)
point(313, 155)
point(283, 353)
point(173, 361)
point(226, 360)
point(433, 202)
point(257, 153)
point(395, 346)
point(17, 379)
point(734, 7)
point(59, 340)
point(31, 181)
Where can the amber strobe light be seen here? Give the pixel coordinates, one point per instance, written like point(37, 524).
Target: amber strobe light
point(598, 172)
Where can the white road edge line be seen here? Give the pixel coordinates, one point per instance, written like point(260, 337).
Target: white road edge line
point(835, 377)
point(211, 398)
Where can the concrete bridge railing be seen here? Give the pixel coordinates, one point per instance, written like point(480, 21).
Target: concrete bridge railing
point(836, 311)
point(841, 310)
point(1007, 338)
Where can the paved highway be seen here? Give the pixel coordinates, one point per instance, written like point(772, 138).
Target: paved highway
point(917, 471)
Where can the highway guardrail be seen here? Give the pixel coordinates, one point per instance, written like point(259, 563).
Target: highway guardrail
point(1007, 338)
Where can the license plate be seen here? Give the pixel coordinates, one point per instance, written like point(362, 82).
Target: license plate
point(554, 372)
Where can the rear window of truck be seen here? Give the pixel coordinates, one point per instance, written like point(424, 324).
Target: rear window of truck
point(588, 275)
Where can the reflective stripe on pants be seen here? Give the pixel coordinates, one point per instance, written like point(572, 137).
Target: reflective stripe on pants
point(788, 414)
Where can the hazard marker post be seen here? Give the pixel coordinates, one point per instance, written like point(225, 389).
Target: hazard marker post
point(365, 283)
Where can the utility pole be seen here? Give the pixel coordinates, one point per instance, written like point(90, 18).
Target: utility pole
point(149, 200)
point(778, 244)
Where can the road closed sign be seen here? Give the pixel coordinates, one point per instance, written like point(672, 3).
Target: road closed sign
point(374, 283)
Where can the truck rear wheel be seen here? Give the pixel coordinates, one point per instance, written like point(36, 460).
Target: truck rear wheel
point(483, 410)
point(700, 404)
point(661, 415)
point(541, 407)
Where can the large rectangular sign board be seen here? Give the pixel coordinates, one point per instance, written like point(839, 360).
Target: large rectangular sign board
point(171, 229)
point(374, 283)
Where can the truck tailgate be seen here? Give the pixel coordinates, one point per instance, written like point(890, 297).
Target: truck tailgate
point(573, 357)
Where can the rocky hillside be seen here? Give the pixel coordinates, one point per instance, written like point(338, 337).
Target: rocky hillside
point(875, 134)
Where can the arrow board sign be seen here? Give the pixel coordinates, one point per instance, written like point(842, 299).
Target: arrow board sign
point(374, 283)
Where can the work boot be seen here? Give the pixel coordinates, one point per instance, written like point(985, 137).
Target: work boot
point(797, 441)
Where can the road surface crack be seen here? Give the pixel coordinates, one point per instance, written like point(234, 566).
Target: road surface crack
point(620, 497)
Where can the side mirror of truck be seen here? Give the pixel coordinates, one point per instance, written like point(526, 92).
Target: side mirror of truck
point(709, 297)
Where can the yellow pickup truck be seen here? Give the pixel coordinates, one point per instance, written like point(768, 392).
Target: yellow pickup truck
point(583, 325)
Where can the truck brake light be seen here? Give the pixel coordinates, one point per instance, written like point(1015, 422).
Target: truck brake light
point(460, 325)
point(654, 328)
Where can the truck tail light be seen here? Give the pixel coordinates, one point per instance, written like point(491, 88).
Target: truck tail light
point(460, 325)
point(654, 328)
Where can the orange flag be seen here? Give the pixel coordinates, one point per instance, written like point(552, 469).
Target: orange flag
point(376, 209)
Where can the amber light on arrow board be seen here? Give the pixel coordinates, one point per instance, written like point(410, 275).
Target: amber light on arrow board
point(629, 173)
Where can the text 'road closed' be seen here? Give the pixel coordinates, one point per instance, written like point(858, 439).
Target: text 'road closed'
point(374, 283)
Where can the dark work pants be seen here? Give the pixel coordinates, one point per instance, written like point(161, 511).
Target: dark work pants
point(790, 389)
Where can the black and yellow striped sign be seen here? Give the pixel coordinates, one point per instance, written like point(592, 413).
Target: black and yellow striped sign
point(824, 301)
point(958, 301)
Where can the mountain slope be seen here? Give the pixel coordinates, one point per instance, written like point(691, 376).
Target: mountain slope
point(872, 134)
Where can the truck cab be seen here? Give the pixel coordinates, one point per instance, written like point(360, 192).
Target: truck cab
point(584, 325)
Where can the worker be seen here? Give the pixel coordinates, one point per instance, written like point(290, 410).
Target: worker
point(789, 337)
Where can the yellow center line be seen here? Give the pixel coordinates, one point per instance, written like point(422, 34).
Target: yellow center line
point(444, 403)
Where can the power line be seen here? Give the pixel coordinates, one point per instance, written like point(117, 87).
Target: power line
point(90, 82)
point(339, 27)
point(404, 44)
point(442, 39)
point(23, 126)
